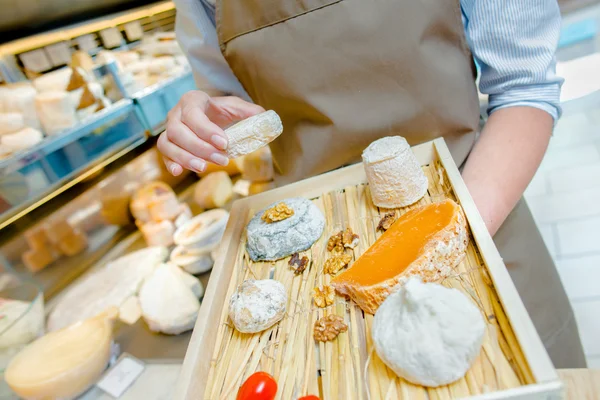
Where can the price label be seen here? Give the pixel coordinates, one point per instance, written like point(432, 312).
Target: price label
point(121, 376)
point(111, 37)
point(60, 53)
point(134, 31)
point(36, 60)
point(86, 43)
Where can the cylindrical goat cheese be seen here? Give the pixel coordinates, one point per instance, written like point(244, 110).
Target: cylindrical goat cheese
point(393, 172)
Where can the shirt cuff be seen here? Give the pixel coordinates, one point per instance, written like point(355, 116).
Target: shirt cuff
point(543, 97)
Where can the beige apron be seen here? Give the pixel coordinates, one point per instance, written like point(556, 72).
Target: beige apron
point(343, 73)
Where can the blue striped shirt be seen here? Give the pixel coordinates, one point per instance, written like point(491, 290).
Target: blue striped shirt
point(513, 43)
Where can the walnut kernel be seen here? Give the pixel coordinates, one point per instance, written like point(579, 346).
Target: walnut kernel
point(324, 296)
point(335, 242)
point(277, 213)
point(387, 221)
point(349, 238)
point(336, 262)
point(329, 327)
point(298, 264)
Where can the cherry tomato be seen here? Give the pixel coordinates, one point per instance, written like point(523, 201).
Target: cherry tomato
point(311, 397)
point(258, 386)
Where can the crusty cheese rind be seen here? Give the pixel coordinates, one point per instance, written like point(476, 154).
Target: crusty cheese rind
point(253, 133)
point(442, 253)
point(393, 172)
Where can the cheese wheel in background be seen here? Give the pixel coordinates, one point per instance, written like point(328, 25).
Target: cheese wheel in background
point(11, 122)
point(232, 169)
point(38, 259)
point(4, 97)
point(258, 166)
point(81, 59)
point(214, 190)
point(158, 233)
point(259, 187)
point(152, 192)
point(395, 176)
point(56, 111)
point(65, 363)
point(253, 133)
point(105, 57)
point(21, 140)
point(138, 66)
point(161, 65)
point(53, 81)
point(182, 60)
point(21, 99)
point(127, 57)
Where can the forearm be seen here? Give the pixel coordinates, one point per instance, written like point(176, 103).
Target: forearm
point(504, 160)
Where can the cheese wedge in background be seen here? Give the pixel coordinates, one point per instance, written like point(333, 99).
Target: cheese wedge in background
point(214, 190)
point(168, 303)
point(258, 166)
point(65, 363)
point(233, 168)
point(259, 187)
point(428, 241)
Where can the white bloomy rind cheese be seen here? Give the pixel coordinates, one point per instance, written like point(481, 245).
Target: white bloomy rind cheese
point(428, 334)
point(257, 305)
point(65, 363)
point(11, 122)
point(253, 133)
point(394, 174)
point(168, 301)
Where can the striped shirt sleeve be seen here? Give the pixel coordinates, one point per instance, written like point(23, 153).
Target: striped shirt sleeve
point(514, 44)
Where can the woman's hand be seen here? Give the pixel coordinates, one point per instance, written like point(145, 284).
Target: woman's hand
point(194, 134)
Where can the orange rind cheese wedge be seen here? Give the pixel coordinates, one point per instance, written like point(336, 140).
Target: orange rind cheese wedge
point(428, 241)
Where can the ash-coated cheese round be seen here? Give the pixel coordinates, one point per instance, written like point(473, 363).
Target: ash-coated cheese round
point(253, 133)
point(257, 305)
point(393, 172)
point(428, 334)
point(276, 240)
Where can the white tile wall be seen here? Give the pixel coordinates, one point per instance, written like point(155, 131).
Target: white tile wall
point(575, 178)
point(564, 198)
point(593, 362)
point(581, 277)
point(579, 236)
point(565, 206)
point(587, 314)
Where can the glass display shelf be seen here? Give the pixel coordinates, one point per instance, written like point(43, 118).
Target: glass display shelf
point(31, 177)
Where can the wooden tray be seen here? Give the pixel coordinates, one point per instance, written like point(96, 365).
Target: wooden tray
point(513, 362)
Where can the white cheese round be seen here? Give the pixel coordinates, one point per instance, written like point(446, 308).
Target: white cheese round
point(56, 111)
point(394, 174)
point(253, 133)
point(21, 140)
point(428, 334)
point(11, 122)
point(257, 305)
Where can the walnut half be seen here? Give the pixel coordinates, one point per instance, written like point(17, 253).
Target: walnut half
point(349, 238)
point(329, 327)
point(277, 213)
point(298, 264)
point(335, 242)
point(336, 262)
point(387, 221)
point(324, 296)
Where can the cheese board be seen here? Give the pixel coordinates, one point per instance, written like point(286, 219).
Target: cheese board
point(511, 364)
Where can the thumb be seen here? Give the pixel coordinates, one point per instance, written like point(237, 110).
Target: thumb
point(224, 111)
